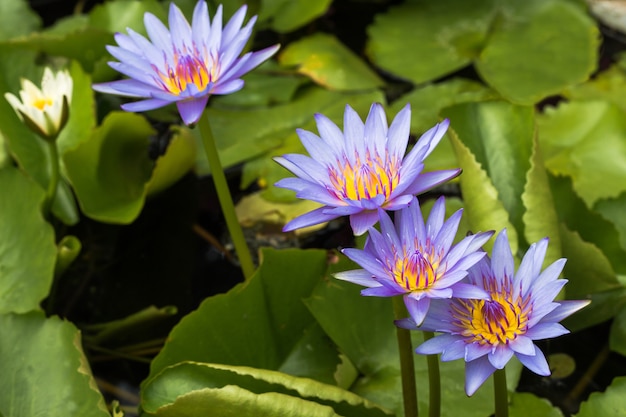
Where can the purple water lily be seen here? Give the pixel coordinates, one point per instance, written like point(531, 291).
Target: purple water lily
point(417, 259)
point(185, 64)
point(521, 309)
point(362, 169)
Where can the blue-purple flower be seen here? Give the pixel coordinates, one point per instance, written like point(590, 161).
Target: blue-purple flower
point(521, 309)
point(185, 64)
point(362, 169)
point(417, 259)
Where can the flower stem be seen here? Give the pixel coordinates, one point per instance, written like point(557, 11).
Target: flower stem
point(434, 382)
point(500, 393)
point(226, 201)
point(407, 368)
point(54, 177)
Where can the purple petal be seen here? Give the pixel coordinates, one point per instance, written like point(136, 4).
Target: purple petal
point(144, 105)
point(454, 351)
point(228, 87)
point(476, 373)
point(254, 60)
point(435, 219)
point(233, 25)
point(502, 260)
point(317, 148)
point(353, 131)
point(200, 25)
point(191, 110)
point(158, 33)
point(390, 289)
point(358, 276)
point(545, 331)
point(462, 290)
point(362, 221)
point(214, 42)
point(376, 129)
point(304, 167)
point(523, 344)
point(448, 231)
point(428, 180)
point(436, 345)
point(311, 218)
point(399, 132)
point(417, 308)
point(536, 363)
point(429, 140)
point(474, 351)
point(365, 260)
point(565, 309)
point(407, 323)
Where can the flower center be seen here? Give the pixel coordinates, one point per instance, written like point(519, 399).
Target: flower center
point(492, 322)
point(188, 69)
point(365, 180)
point(41, 102)
point(415, 271)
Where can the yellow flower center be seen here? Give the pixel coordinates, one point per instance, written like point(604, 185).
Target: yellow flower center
point(417, 271)
point(492, 322)
point(188, 69)
point(365, 180)
point(41, 102)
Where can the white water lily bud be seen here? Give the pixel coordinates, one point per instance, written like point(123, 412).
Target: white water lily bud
point(44, 111)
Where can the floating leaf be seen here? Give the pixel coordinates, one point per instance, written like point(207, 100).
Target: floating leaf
point(613, 210)
point(585, 141)
point(27, 248)
point(257, 324)
point(285, 15)
point(523, 404)
point(44, 371)
point(500, 135)
point(483, 208)
point(178, 159)
point(540, 219)
point(187, 377)
point(117, 16)
point(608, 85)
point(17, 19)
point(109, 172)
point(329, 63)
point(422, 41)
point(612, 402)
point(527, 35)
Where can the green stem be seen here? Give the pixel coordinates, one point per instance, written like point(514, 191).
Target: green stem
point(407, 368)
point(500, 393)
point(226, 201)
point(434, 382)
point(54, 176)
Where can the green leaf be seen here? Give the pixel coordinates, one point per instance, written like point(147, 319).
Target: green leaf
point(585, 141)
point(329, 63)
point(617, 335)
point(608, 85)
point(260, 323)
point(109, 172)
point(422, 41)
point(500, 135)
point(604, 306)
point(178, 159)
point(117, 16)
point(526, 36)
point(540, 218)
point(612, 402)
point(587, 268)
point(44, 371)
point(189, 377)
point(483, 208)
point(523, 404)
point(17, 19)
point(613, 210)
point(27, 249)
point(285, 15)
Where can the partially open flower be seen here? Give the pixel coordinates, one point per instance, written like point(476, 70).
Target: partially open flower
point(521, 309)
point(364, 168)
point(185, 64)
point(417, 259)
point(44, 111)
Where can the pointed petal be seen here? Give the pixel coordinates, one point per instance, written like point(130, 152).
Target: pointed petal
point(476, 373)
point(417, 308)
point(436, 345)
point(427, 180)
point(399, 132)
point(357, 276)
point(191, 110)
point(565, 309)
point(362, 221)
point(536, 363)
point(545, 331)
point(463, 290)
point(523, 345)
point(144, 105)
point(311, 218)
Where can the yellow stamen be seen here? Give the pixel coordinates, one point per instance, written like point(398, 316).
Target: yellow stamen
point(499, 320)
point(365, 179)
point(41, 102)
point(416, 271)
point(188, 69)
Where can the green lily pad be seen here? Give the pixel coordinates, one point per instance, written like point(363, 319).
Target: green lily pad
point(44, 371)
point(109, 172)
point(178, 159)
point(284, 15)
point(613, 210)
point(527, 35)
point(483, 208)
point(192, 377)
point(17, 19)
point(117, 16)
point(27, 248)
point(585, 141)
point(329, 63)
point(422, 41)
point(525, 404)
point(258, 324)
point(608, 85)
point(612, 402)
